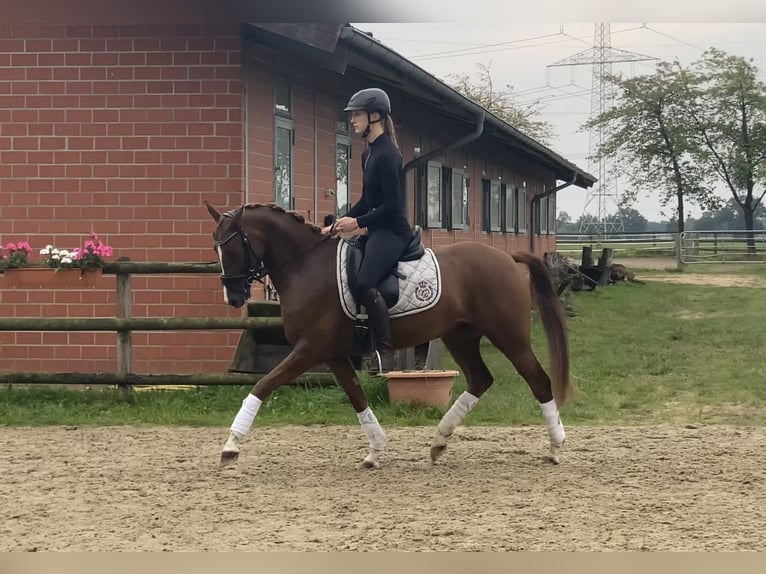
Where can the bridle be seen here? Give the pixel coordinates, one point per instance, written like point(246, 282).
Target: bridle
point(253, 268)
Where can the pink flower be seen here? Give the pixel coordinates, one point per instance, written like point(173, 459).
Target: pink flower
point(11, 247)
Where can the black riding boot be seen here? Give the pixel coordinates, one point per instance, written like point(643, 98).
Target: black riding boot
point(380, 322)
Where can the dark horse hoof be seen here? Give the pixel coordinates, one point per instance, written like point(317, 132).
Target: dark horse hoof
point(437, 451)
point(228, 457)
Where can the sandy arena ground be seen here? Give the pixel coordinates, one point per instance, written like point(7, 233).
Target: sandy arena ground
point(295, 488)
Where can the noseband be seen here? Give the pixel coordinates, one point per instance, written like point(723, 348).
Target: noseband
point(253, 268)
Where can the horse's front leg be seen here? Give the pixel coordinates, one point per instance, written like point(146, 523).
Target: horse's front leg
point(295, 364)
point(347, 377)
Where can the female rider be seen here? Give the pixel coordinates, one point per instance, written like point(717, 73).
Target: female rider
point(380, 213)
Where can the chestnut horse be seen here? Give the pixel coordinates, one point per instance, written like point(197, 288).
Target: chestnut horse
point(485, 293)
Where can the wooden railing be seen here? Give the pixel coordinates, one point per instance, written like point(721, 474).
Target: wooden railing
point(266, 330)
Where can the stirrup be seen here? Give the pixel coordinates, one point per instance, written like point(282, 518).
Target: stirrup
point(379, 358)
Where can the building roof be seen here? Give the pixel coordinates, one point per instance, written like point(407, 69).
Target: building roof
point(339, 47)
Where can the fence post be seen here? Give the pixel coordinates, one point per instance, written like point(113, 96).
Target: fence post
point(587, 256)
point(124, 337)
point(679, 254)
point(605, 265)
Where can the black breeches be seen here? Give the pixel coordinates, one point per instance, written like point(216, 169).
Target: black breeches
point(381, 253)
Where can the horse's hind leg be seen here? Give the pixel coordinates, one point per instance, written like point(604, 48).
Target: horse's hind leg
point(523, 358)
point(346, 375)
point(464, 345)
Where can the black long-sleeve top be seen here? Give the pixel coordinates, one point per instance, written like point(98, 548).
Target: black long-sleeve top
point(383, 202)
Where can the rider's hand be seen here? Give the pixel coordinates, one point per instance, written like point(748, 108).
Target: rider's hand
point(346, 225)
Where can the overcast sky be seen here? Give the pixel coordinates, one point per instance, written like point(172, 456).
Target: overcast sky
point(521, 54)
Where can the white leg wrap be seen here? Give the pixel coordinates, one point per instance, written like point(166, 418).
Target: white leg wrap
point(457, 412)
point(372, 429)
point(246, 415)
point(553, 423)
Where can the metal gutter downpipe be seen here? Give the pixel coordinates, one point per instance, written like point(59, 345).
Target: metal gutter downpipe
point(418, 161)
point(537, 199)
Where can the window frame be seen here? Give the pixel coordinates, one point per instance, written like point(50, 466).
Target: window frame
point(283, 123)
point(289, 87)
point(431, 222)
point(521, 210)
point(509, 201)
point(464, 222)
point(342, 140)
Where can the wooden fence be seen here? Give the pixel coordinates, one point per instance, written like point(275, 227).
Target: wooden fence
point(267, 330)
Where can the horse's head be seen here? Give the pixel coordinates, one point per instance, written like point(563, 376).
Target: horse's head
point(241, 257)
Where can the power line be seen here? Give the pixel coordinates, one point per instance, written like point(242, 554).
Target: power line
point(448, 52)
point(674, 38)
point(467, 51)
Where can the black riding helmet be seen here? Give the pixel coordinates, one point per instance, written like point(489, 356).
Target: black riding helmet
point(370, 100)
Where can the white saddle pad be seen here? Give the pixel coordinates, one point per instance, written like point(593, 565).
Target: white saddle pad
point(420, 290)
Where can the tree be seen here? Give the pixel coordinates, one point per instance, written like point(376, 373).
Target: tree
point(730, 217)
point(632, 220)
point(647, 132)
point(564, 223)
point(500, 102)
point(728, 108)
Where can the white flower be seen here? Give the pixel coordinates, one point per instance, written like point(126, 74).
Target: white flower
point(66, 260)
point(64, 253)
point(54, 251)
point(45, 251)
point(55, 257)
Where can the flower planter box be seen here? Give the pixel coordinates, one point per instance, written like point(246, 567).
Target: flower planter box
point(52, 278)
point(433, 388)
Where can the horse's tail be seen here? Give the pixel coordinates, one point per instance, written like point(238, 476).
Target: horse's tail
point(552, 315)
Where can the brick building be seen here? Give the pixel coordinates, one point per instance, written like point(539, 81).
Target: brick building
point(122, 121)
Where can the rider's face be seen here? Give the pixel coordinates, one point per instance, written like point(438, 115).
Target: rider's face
point(359, 121)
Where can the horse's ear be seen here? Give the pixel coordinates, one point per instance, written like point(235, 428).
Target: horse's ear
point(236, 217)
point(212, 211)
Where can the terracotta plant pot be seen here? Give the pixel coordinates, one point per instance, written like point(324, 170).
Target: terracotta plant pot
point(52, 278)
point(433, 388)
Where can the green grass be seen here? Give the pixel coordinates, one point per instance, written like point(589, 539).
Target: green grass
point(655, 353)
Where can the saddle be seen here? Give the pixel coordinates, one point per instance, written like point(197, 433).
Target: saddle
point(389, 285)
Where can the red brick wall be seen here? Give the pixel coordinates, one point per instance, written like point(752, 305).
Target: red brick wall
point(121, 130)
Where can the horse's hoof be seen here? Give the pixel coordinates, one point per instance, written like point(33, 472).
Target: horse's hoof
point(437, 450)
point(553, 456)
point(370, 464)
point(228, 457)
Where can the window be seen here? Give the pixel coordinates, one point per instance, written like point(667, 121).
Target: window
point(341, 122)
point(283, 105)
point(459, 200)
point(434, 195)
point(521, 209)
point(552, 214)
point(491, 192)
point(510, 224)
point(283, 151)
point(541, 216)
point(495, 206)
point(283, 143)
point(342, 157)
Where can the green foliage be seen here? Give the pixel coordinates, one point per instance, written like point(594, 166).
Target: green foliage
point(679, 131)
point(501, 102)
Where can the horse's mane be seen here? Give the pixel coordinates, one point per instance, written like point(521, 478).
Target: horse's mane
point(278, 208)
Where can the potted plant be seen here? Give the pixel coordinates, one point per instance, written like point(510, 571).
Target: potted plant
point(18, 256)
point(79, 267)
point(429, 387)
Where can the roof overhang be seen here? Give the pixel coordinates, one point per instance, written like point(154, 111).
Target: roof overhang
point(338, 47)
